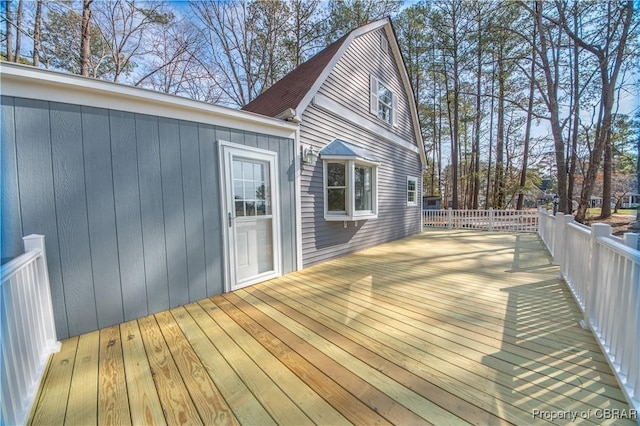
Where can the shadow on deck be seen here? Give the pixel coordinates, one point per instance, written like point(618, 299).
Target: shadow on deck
point(446, 327)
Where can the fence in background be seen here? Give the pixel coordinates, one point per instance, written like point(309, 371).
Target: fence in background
point(485, 220)
point(28, 334)
point(603, 273)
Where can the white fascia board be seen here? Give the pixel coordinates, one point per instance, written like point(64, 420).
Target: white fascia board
point(25, 81)
point(407, 86)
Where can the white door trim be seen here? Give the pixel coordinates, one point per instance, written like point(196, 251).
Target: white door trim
point(225, 152)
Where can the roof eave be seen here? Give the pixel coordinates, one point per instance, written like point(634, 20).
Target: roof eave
point(35, 83)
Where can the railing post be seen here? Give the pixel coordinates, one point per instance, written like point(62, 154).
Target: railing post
point(558, 240)
point(490, 219)
point(449, 218)
point(36, 242)
point(631, 240)
point(566, 220)
point(593, 270)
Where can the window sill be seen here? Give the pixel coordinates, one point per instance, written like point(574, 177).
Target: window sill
point(345, 218)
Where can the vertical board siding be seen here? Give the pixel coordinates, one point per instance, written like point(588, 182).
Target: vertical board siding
point(151, 209)
point(129, 205)
point(102, 217)
point(10, 212)
point(287, 176)
point(37, 199)
point(128, 217)
point(211, 209)
point(71, 208)
point(174, 225)
point(348, 85)
point(194, 228)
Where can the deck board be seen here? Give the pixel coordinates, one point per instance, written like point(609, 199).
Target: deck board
point(143, 397)
point(84, 382)
point(113, 399)
point(447, 327)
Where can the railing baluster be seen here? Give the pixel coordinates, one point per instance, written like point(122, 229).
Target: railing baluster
point(28, 329)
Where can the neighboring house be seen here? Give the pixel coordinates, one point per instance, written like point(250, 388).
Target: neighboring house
point(356, 111)
point(147, 201)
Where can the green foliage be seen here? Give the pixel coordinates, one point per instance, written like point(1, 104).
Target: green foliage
point(61, 42)
point(345, 15)
point(623, 141)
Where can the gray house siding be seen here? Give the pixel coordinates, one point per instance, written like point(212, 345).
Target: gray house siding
point(323, 240)
point(348, 86)
point(348, 82)
point(129, 205)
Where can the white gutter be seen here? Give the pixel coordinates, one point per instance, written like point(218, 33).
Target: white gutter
point(25, 81)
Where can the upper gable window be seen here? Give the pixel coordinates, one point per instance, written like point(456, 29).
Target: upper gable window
point(382, 101)
point(385, 103)
point(384, 43)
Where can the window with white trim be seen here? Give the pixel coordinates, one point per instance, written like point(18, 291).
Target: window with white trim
point(350, 182)
point(350, 190)
point(412, 191)
point(382, 101)
point(336, 193)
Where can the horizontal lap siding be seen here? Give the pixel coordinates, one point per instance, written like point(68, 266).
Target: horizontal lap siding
point(129, 205)
point(348, 85)
point(322, 240)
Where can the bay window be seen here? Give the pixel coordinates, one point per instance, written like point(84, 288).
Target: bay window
point(350, 182)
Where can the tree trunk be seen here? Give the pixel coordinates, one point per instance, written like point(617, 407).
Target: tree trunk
point(498, 185)
point(607, 167)
point(85, 43)
point(487, 200)
point(573, 158)
point(475, 150)
point(36, 34)
point(552, 105)
point(527, 131)
point(16, 57)
point(9, 30)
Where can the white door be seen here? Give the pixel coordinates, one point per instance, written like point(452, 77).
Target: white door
point(250, 212)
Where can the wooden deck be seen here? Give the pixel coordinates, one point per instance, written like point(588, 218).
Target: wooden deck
point(445, 328)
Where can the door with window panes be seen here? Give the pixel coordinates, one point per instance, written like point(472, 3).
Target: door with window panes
point(252, 230)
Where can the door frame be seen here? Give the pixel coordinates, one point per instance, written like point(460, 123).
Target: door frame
point(226, 151)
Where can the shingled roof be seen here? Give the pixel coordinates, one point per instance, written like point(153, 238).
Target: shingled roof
point(292, 88)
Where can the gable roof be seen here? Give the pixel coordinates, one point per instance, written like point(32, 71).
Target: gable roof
point(289, 91)
point(290, 96)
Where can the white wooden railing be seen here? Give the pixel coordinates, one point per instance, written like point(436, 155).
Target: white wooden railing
point(603, 273)
point(485, 220)
point(28, 334)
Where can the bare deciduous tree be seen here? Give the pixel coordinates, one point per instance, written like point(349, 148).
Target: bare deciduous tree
point(85, 42)
point(123, 25)
point(606, 39)
point(8, 20)
point(19, 14)
point(37, 28)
